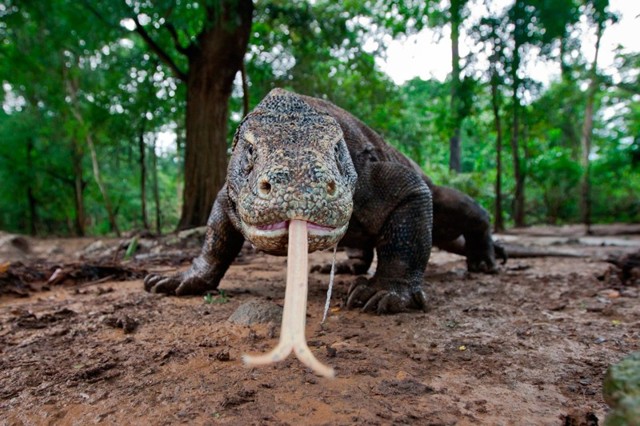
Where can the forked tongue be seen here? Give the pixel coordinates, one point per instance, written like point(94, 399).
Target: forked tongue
point(292, 335)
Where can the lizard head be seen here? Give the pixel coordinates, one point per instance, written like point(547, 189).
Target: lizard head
point(290, 161)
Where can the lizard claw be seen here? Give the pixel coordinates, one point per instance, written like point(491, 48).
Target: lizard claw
point(154, 283)
point(483, 265)
point(500, 252)
point(385, 302)
point(359, 292)
point(179, 284)
point(484, 261)
point(385, 299)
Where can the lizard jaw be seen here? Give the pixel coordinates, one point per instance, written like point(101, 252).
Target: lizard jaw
point(267, 237)
point(282, 228)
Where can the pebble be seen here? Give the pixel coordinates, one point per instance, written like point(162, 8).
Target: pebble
point(256, 312)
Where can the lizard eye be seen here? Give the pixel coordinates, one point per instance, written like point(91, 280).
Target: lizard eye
point(248, 159)
point(339, 156)
point(344, 162)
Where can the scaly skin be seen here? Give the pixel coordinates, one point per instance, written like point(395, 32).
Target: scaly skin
point(460, 225)
point(296, 157)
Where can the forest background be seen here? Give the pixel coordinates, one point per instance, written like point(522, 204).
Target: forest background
point(118, 115)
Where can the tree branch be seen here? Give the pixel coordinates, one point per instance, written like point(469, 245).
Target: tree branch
point(176, 40)
point(628, 87)
point(92, 9)
point(164, 56)
point(155, 48)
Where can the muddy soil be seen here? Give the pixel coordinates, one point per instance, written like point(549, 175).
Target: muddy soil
point(529, 345)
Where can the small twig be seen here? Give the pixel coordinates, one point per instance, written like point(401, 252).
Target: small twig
point(98, 281)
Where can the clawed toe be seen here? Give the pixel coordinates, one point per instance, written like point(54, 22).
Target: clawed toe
point(359, 292)
point(180, 284)
point(385, 302)
point(381, 300)
point(151, 280)
point(482, 266)
point(158, 284)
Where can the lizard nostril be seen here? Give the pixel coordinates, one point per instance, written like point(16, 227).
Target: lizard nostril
point(331, 188)
point(264, 188)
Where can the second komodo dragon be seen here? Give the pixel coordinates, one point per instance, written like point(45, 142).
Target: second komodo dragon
point(297, 157)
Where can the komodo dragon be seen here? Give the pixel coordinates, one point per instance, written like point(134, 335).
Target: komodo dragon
point(297, 157)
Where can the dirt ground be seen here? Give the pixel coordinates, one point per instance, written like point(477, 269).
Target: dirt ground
point(528, 346)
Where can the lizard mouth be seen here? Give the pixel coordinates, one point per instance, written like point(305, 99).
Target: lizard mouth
point(279, 229)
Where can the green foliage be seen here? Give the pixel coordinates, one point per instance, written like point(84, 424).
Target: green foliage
point(616, 185)
point(420, 127)
point(321, 48)
point(555, 176)
point(119, 93)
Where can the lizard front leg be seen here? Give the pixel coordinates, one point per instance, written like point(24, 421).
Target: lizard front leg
point(401, 207)
point(221, 246)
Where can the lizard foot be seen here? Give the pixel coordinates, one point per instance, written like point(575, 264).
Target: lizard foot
point(484, 264)
point(180, 284)
point(500, 252)
point(484, 261)
point(387, 297)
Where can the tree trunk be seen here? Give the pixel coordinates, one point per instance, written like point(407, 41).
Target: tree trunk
point(454, 141)
point(72, 90)
point(103, 190)
point(156, 194)
point(143, 180)
point(585, 141)
point(455, 154)
point(526, 158)
point(78, 189)
point(212, 69)
point(33, 212)
point(498, 224)
point(518, 202)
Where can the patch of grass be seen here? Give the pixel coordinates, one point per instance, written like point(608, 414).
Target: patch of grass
point(131, 249)
point(218, 300)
